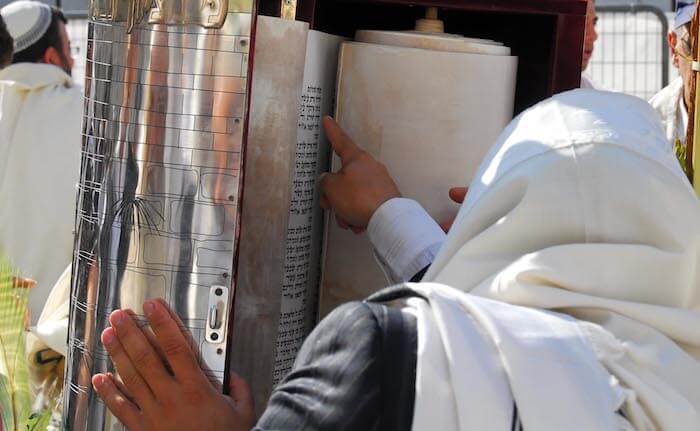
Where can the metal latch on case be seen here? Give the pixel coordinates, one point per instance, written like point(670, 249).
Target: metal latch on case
point(217, 316)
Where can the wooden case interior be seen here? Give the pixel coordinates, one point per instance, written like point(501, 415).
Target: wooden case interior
point(546, 35)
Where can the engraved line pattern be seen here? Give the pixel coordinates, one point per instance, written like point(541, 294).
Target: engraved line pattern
point(158, 195)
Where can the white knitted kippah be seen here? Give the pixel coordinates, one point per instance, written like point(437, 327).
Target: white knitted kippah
point(27, 21)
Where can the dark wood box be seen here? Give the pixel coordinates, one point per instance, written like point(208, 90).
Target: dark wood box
point(546, 35)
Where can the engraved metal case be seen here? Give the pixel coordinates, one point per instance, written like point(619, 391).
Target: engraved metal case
point(165, 106)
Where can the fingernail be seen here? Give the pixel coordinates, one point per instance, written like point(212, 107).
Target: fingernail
point(117, 317)
point(98, 381)
point(148, 308)
point(108, 336)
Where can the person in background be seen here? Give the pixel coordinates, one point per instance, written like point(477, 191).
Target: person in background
point(672, 101)
point(6, 45)
point(40, 125)
point(40, 135)
point(589, 40)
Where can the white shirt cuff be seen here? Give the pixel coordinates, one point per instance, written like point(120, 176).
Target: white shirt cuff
point(405, 238)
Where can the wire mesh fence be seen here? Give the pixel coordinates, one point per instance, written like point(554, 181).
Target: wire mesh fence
point(631, 54)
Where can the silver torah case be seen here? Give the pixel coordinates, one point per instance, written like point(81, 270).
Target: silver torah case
point(158, 201)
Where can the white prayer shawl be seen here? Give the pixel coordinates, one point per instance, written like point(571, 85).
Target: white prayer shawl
point(582, 209)
point(669, 104)
point(40, 123)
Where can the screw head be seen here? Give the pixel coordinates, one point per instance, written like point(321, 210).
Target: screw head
point(214, 336)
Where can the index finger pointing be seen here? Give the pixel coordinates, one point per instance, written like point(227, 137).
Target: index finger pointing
point(341, 143)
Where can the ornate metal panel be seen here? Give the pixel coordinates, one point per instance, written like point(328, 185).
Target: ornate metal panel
point(157, 209)
point(208, 13)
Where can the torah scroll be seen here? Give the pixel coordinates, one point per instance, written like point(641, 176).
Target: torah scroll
point(427, 106)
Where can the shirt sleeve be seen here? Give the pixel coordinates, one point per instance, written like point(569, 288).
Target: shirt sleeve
point(405, 238)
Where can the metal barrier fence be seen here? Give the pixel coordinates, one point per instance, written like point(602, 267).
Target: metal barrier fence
point(631, 54)
point(77, 33)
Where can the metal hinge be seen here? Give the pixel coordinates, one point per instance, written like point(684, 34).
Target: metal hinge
point(217, 314)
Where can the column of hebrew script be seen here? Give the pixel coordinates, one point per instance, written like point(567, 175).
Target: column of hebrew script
point(305, 231)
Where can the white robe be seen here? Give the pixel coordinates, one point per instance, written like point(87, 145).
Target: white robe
point(40, 123)
point(674, 117)
point(568, 282)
